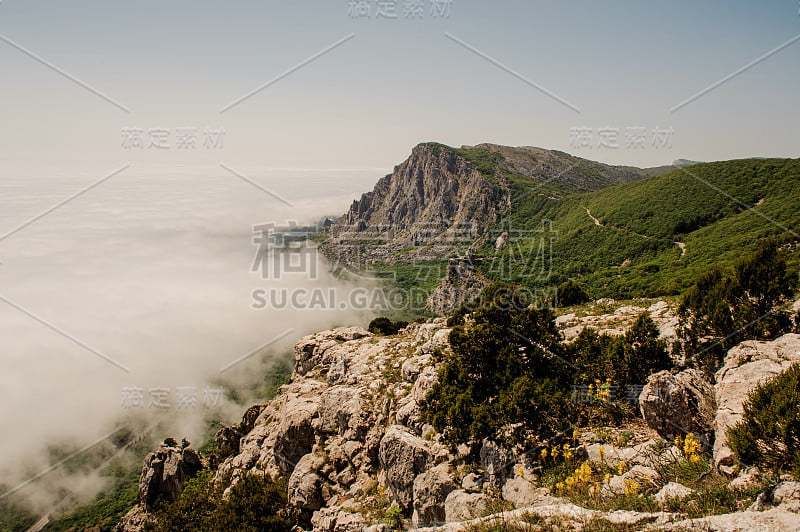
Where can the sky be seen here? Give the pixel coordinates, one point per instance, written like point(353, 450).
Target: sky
point(393, 83)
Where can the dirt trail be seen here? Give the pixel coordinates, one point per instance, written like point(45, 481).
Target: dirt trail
point(682, 246)
point(596, 221)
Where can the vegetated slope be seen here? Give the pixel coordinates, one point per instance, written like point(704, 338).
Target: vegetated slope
point(550, 170)
point(650, 238)
point(441, 202)
point(717, 210)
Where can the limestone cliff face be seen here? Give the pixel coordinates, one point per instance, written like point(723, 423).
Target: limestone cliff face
point(433, 185)
point(431, 203)
point(438, 196)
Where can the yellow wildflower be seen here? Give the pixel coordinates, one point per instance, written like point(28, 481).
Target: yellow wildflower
point(575, 434)
point(631, 487)
point(607, 477)
point(544, 454)
point(691, 445)
point(602, 453)
point(621, 467)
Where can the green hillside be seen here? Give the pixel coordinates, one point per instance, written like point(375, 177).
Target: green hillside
point(633, 252)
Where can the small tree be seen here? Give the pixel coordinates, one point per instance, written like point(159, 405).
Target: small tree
point(507, 367)
point(570, 293)
point(769, 434)
point(645, 354)
point(722, 310)
point(384, 326)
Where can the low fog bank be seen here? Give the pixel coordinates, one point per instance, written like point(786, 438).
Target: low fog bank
point(140, 287)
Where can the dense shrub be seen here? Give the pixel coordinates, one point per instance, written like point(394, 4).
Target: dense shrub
point(570, 293)
point(769, 434)
point(255, 503)
point(385, 327)
point(723, 309)
point(506, 368)
point(627, 359)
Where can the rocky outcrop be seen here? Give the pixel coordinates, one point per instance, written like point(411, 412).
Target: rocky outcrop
point(430, 202)
point(746, 366)
point(461, 284)
point(677, 404)
point(403, 456)
point(351, 417)
point(349, 436)
point(604, 321)
point(164, 473)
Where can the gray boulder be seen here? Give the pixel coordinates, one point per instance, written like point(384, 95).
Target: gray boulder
point(402, 456)
point(305, 483)
point(462, 506)
point(431, 488)
point(674, 405)
point(746, 366)
point(672, 491)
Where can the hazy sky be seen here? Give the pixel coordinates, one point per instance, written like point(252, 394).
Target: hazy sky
point(396, 82)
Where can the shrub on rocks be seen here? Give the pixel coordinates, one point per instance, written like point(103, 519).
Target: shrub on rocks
point(769, 434)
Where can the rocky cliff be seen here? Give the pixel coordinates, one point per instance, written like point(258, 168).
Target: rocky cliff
point(442, 198)
point(348, 434)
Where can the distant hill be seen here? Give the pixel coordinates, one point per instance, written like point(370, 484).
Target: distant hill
point(615, 231)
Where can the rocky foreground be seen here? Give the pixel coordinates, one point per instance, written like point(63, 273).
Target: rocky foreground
point(347, 433)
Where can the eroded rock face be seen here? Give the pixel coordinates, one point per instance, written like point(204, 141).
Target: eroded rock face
point(674, 405)
point(746, 366)
point(165, 472)
point(461, 505)
point(431, 488)
point(403, 456)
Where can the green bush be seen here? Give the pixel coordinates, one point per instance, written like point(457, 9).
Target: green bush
point(627, 359)
point(570, 293)
point(769, 434)
point(722, 309)
point(255, 503)
point(384, 326)
point(507, 367)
